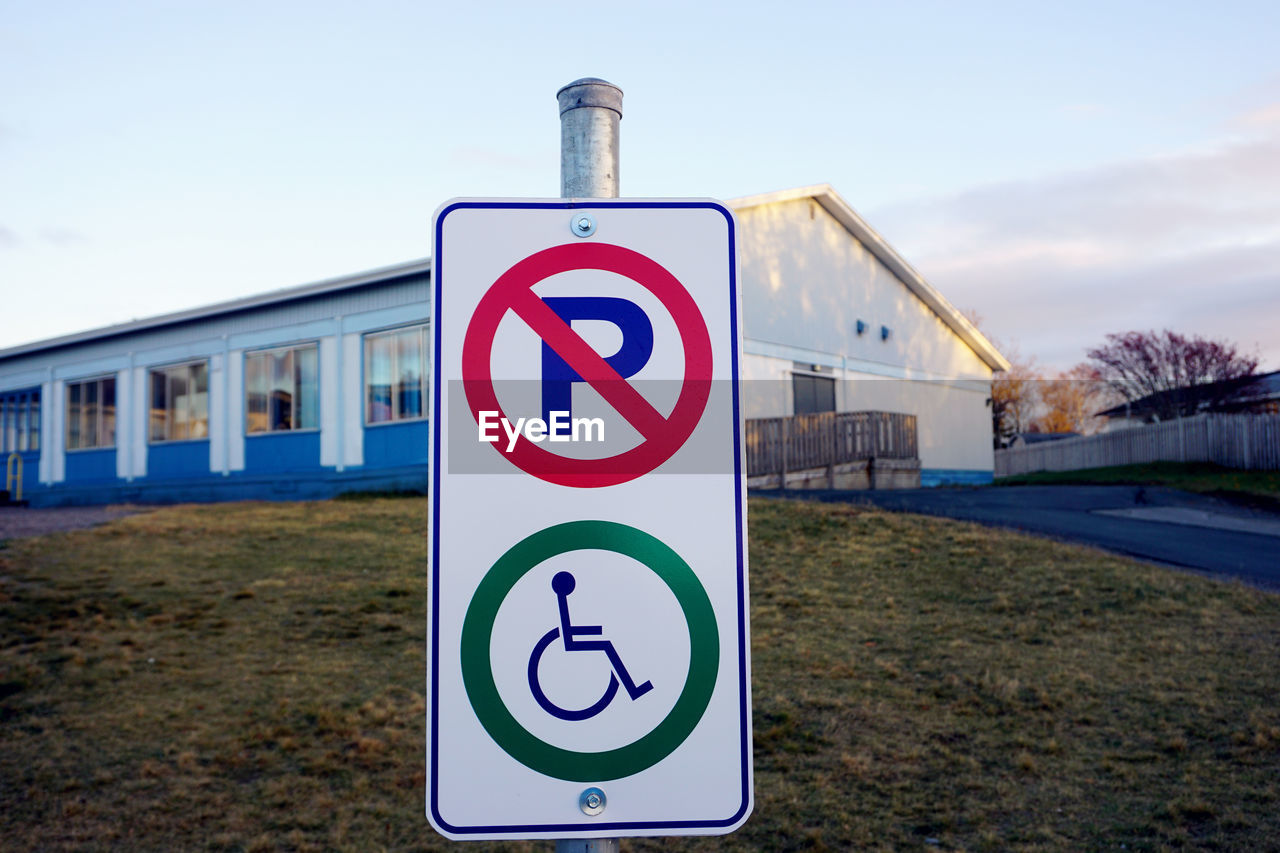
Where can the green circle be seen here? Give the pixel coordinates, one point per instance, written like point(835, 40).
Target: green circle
point(477, 668)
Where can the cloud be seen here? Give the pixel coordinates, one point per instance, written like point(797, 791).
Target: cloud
point(57, 236)
point(1267, 116)
point(62, 237)
point(1188, 240)
point(1148, 204)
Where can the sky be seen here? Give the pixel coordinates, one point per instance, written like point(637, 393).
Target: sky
point(1062, 171)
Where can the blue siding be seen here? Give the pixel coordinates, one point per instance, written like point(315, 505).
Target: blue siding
point(178, 459)
point(931, 477)
point(274, 453)
point(91, 465)
point(30, 462)
point(396, 445)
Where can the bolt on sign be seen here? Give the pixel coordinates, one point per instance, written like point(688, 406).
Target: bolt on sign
point(587, 646)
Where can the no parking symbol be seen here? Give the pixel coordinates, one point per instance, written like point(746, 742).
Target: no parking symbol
point(551, 320)
point(588, 670)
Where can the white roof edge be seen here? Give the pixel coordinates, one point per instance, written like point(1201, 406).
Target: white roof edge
point(831, 201)
point(285, 294)
point(824, 194)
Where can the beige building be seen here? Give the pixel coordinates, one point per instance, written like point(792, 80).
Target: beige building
point(835, 320)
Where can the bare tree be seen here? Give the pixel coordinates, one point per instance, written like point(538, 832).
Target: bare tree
point(1165, 369)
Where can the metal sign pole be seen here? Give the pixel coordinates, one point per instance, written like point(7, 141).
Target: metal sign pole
point(587, 845)
point(590, 112)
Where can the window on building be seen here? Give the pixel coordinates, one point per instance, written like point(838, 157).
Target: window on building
point(813, 393)
point(33, 422)
point(282, 389)
point(91, 413)
point(19, 421)
point(179, 402)
point(10, 424)
point(395, 369)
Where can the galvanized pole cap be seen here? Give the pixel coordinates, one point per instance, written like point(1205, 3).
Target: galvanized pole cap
point(590, 92)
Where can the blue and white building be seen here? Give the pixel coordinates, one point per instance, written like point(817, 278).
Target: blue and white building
point(303, 392)
point(316, 390)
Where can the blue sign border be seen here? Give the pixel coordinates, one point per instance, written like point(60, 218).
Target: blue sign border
point(438, 285)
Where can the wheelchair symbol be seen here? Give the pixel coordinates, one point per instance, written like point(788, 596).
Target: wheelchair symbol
point(563, 584)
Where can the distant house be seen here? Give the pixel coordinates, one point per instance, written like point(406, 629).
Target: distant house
point(1258, 394)
point(314, 390)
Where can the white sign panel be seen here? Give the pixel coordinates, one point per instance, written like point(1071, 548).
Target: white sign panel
point(588, 670)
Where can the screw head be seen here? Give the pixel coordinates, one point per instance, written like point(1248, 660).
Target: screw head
point(592, 801)
point(582, 224)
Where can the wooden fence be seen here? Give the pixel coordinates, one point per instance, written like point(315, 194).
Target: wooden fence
point(778, 445)
point(1236, 441)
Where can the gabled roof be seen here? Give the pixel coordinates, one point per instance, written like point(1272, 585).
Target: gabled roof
point(824, 194)
point(831, 201)
point(272, 297)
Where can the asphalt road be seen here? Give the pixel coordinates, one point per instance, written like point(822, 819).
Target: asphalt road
point(1160, 525)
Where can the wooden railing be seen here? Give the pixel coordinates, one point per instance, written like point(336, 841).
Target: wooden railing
point(778, 445)
point(1236, 441)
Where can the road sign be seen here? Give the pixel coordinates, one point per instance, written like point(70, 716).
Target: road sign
point(588, 668)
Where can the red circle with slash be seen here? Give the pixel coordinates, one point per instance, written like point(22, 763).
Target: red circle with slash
point(663, 436)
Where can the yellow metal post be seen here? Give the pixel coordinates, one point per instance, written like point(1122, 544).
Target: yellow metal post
point(13, 476)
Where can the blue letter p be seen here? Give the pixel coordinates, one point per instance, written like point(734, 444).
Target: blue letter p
point(637, 345)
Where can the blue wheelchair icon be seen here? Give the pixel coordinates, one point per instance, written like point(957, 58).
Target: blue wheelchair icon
point(563, 584)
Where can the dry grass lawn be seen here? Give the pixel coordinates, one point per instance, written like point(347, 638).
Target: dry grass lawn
point(250, 677)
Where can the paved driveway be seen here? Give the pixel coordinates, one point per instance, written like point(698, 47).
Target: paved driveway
point(1161, 525)
point(22, 521)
